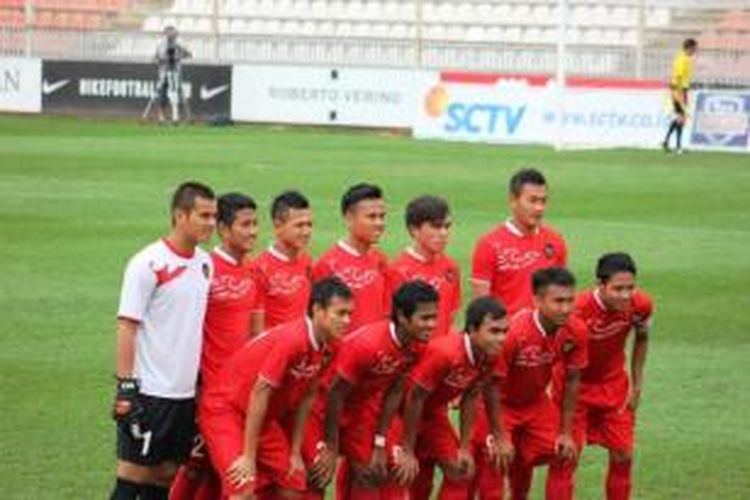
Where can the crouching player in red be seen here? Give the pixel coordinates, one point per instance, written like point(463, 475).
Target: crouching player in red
point(367, 391)
point(253, 418)
point(537, 340)
point(454, 365)
point(231, 298)
point(607, 398)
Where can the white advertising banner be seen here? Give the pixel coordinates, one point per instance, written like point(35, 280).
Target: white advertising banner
point(326, 95)
point(20, 84)
point(512, 109)
point(720, 121)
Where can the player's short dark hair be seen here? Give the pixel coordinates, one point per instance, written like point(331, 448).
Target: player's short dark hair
point(359, 192)
point(690, 43)
point(407, 298)
point(523, 177)
point(231, 203)
point(325, 290)
point(186, 193)
point(479, 309)
point(544, 278)
point(424, 209)
point(610, 264)
point(286, 201)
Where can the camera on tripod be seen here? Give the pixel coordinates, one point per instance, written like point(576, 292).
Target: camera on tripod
point(169, 91)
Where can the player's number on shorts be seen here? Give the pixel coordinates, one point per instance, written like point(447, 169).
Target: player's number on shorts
point(144, 436)
point(146, 443)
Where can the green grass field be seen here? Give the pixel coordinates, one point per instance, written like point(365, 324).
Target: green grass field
point(77, 198)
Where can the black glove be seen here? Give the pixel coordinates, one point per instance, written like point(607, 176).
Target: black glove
point(127, 409)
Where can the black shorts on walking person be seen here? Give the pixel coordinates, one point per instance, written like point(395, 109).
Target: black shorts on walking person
point(677, 105)
point(165, 432)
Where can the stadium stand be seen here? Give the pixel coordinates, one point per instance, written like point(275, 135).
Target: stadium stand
point(606, 37)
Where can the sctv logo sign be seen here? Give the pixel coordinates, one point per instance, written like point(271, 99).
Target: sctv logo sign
point(487, 117)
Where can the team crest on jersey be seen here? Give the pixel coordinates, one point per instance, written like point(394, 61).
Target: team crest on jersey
point(460, 377)
point(386, 363)
point(304, 369)
point(549, 250)
point(568, 346)
point(450, 275)
point(206, 270)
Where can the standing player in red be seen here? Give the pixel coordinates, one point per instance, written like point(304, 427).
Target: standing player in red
point(428, 221)
point(538, 340)
point(367, 392)
point(608, 398)
point(283, 272)
point(355, 259)
point(506, 258)
point(253, 417)
point(226, 328)
point(454, 365)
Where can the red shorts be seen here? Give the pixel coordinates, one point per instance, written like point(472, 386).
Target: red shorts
point(224, 430)
point(602, 416)
point(532, 429)
point(437, 440)
point(612, 428)
point(357, 436)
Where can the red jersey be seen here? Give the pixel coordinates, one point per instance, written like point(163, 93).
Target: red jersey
point(442, 273)
point(371, 359)
point(283, 286)
point(366, 276)
point(288, 357)
point(231, 298)
point(448, 369)
point(608, 333)
point(506, 259)
point(528, 356)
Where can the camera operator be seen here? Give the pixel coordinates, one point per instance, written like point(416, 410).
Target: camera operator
point(169, 57)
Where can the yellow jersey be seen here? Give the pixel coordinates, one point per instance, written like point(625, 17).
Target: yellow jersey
point(682, 71)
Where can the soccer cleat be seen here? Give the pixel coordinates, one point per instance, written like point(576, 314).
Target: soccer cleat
point(680, 151)
point(665, 146)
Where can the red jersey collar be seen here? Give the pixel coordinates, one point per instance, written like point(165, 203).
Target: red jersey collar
point(394, 337)
point(469, 351)
point(278, 254)
point(538, 323)
point(177, 251)
point(346, 247)
point(311, 334)
point(598, 300)
point(516, 231)
point(225, 256)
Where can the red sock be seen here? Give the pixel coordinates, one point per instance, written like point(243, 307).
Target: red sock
point(356, 493)
point(210, 487)
point(560, 480)
point(618, 480)
point(186, 483)
point(343, 480)
point(393, 491)
point(453, 489)
point(520, 480)
point(488, 482)
point(422, 486)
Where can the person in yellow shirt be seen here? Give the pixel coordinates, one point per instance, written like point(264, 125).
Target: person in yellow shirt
point(679, 84)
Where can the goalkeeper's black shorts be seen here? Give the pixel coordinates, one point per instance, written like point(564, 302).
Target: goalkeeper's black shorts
point(166, 431)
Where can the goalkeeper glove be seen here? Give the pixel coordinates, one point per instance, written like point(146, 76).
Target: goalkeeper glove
point(127, 409)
